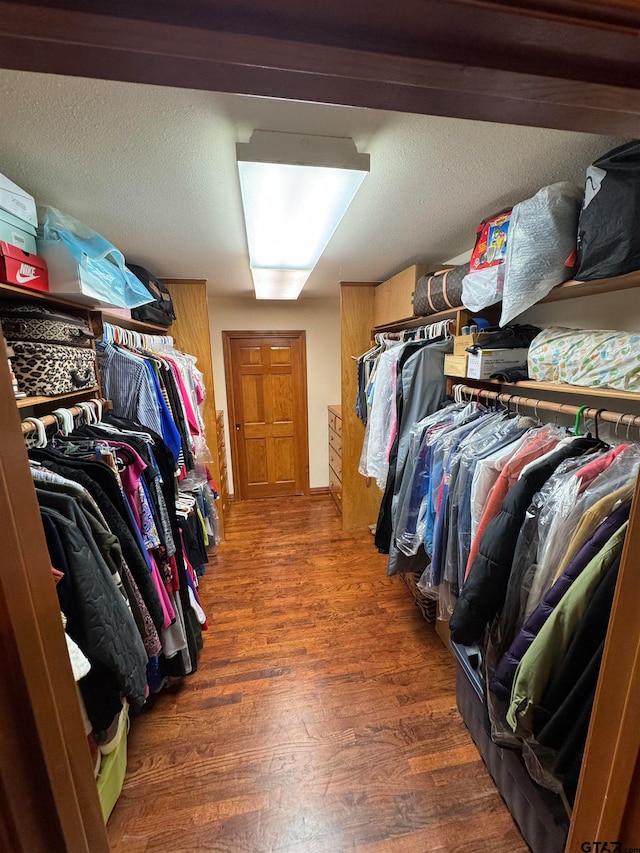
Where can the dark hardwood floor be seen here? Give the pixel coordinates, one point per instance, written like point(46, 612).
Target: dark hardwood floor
point(322, 718)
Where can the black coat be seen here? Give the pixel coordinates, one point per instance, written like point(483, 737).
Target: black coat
point(101, 624)
point(485, 588)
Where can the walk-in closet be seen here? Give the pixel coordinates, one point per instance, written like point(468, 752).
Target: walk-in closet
point(320, 427)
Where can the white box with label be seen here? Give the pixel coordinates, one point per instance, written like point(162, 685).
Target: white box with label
point(17, 201)
point(483, 363)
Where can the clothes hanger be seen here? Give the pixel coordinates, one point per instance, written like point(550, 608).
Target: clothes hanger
point(595, 421)
point(576, 429)
point(41, 433)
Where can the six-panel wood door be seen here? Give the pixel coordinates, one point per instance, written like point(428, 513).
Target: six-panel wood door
point(266, 389)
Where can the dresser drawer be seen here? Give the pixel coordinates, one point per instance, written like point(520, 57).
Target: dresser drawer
point(338, 425)
point(335, 462)
point(335, 442)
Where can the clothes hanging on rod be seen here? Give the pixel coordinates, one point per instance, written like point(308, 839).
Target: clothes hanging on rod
point(127, 551)
point(367, 362)
point(521, 525)
point(151, 382)
point(65, 419)
point(387, 362)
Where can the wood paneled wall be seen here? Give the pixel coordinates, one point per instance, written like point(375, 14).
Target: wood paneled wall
point(360, 497)
point(191, 333)
point(393, 298)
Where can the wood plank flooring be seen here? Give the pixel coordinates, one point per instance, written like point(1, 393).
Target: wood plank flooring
point(322, 718)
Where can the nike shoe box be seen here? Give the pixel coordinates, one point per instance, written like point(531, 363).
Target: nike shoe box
point(17, 232)
point(17, 201)
point(23, 269)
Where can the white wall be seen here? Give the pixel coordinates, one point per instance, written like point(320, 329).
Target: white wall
point(320, 318)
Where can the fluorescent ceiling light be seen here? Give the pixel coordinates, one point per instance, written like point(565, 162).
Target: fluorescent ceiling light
point(278, 284)
point(295, 190)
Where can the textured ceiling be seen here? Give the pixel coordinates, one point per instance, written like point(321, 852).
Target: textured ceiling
point(153, 170)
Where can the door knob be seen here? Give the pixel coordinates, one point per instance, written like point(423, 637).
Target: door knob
point(238, 426)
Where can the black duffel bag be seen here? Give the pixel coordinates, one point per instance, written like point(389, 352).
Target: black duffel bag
point(159, 312)
point(439, 291)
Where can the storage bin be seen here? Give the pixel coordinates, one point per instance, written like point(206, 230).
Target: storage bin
point(17, 232)
point(455, 365)
point(84, 266)
point(22, 269)
point(17, 201)
point(539, 814)
point(111, 777)
point(483, 363)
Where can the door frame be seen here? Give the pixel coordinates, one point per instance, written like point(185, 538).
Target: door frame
point(227, 338)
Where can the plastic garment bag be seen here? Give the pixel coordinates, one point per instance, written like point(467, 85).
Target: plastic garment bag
point(492, 429)
point(541, 247)
point(442, 443)
point(415, 477)
point(506, 625)
point(104, 274)
point(501, 432)
point(461, 461)
point(486, 475)
point(436, 518)
point(374, 461)
point(410, 517)
point(561, 516)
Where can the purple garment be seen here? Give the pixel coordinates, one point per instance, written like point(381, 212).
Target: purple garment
point(505, 671)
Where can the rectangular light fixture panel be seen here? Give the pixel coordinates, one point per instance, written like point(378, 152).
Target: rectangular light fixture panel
point(295, 190)
point(279, 284)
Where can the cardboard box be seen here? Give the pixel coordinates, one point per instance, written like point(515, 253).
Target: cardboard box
point(461, 342)
point(22, 268)
point(482, 364)
point(17, 232)
point(456, 365)
point(17, 201)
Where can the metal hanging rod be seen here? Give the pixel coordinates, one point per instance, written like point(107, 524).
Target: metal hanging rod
point(138, 340)
point(616, 418)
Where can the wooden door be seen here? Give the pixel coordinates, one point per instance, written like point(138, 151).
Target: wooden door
point(267, 394)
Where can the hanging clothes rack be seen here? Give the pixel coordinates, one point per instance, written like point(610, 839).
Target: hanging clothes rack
point(617, 418)
point(428, 331)
point(112, 334)
point(29, 426)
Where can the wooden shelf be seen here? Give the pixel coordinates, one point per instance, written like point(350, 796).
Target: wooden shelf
point(460, 315)
point(555, 387)
point(568, 290)
point(10, 291)
point(60, 399)
point(135, 325)
point(574, 289)
point(416, 322)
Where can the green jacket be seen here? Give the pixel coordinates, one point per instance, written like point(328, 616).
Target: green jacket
point(547, 651)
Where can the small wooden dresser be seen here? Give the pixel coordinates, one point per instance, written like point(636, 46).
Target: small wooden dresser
point(335, 454)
